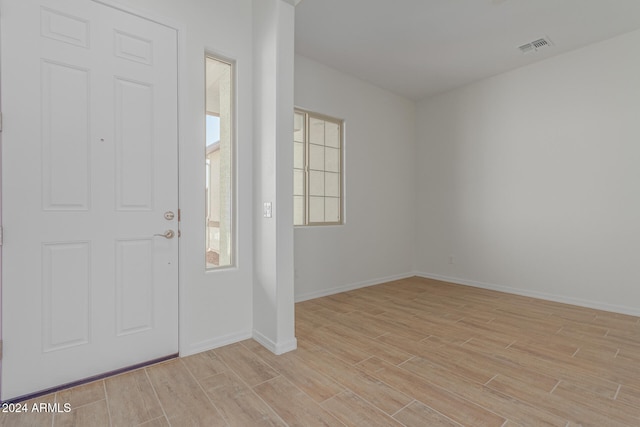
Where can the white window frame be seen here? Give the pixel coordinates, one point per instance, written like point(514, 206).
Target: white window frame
point(306, 171)
point(231, 253)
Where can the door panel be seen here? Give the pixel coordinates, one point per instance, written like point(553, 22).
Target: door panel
point(134, 145)
point(65, 126)
point(66, 287)
point(134, 281)
point(89, 152)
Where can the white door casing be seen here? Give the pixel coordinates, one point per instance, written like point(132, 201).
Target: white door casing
point(89, 99)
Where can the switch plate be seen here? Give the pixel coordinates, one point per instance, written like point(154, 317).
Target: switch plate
point(267, 211)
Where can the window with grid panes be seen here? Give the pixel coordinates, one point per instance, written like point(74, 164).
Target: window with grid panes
point(317, 169)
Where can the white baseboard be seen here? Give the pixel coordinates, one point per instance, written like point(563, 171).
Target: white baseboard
point(350, 287)
point(284, 347)
point(275, 348)
point(632, 311)
point(213, 343)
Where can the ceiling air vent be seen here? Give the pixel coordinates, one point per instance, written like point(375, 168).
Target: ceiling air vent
point(535, 45)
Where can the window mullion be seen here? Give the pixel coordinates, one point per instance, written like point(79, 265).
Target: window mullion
point(306, 169)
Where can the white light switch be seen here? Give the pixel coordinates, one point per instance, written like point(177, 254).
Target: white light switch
point(266, 211)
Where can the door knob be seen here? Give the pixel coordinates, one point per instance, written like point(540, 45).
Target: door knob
point(169, 234)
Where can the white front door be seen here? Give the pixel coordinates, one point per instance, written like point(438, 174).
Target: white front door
point(89, 170)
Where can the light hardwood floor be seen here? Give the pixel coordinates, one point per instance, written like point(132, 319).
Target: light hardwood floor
point(413, 352)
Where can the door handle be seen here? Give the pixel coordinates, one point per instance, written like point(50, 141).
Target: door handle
point(169, 234)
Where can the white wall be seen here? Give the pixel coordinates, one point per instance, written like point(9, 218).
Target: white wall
point(215, 307)
point(530, 179)
point(377, 240)
point(273, 297)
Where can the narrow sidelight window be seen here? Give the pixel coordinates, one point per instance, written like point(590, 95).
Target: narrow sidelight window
point(317, 169)
point(219, 164)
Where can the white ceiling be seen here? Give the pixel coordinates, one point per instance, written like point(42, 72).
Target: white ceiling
point(417, 48)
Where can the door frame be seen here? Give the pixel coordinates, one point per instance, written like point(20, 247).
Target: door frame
point(181, 110)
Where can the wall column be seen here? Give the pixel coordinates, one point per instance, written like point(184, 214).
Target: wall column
point(273, 291)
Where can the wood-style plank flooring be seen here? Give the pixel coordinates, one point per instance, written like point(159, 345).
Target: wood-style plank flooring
point(413, 352)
